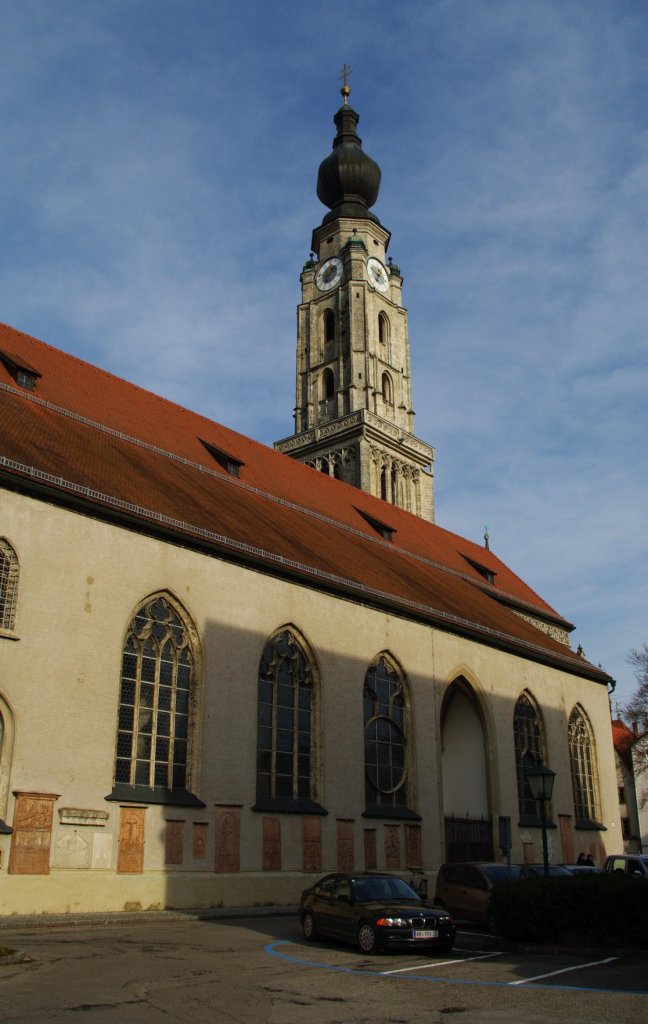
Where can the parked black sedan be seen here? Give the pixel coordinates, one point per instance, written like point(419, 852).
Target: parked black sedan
point(374, 911)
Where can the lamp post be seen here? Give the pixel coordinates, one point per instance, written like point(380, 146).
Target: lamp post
point(541, 782)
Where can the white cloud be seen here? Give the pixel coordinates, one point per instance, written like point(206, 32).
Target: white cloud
point(157, 197)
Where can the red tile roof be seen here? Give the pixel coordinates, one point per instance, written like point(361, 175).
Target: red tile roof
point(87, 436)
point(623, 738)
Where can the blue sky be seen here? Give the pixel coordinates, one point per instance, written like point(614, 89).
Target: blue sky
point(157, 198)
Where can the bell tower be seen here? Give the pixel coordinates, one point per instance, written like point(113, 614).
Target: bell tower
point(353, 413)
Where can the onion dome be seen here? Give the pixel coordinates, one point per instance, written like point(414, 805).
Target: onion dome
point(348, 180)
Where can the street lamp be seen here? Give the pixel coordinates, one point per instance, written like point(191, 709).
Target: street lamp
point(541, 782)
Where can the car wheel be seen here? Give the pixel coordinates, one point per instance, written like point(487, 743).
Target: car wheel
point(308, 927)
point(367, 938)
point(447, 947)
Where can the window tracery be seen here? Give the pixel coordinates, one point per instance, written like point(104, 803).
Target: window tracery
point(385, 736)
point(158, 682)
point(9, 578)
point(528, 741)
point(285, 725)
point(583, 770)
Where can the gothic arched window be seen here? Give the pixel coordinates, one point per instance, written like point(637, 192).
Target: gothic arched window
point(583, 771)
point(6, 746)
point(157, 699)
point(328, 385)
point(527, 737)
point(383, 483)
point(329, 325)
point(387, 389)
point(385, 737)
point(395, 488)
point(383, 329)
point(286, 729)
point(9, 576)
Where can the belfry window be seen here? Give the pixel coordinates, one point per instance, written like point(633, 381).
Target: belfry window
point(329, 325)
point(385, 738)
point(158, 683)
point(527, 738)
point(9, 576)
point(387, 389)
point(328, 385)
point(285, 726)
point(583, 772)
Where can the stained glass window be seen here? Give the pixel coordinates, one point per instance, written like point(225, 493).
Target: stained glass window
point(285, 720)
point(582, 768)
point(528, 751)
point(385, 713)
point(157, 681)
point(9, 574)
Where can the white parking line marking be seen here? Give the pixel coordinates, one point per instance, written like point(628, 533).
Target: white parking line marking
point(439, 963)
point(564, 970)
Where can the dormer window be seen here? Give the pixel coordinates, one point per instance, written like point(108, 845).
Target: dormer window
point(24, 375)
point(383, 529)
point(488, 574)
point(26, 380)
point(231, 465)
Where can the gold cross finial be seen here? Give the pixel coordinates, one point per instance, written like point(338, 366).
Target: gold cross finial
point(344, 75)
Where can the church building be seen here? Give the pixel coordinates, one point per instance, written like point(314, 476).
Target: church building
point(225, 668)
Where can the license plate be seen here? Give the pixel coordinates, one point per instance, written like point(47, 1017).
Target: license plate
point(429, 934)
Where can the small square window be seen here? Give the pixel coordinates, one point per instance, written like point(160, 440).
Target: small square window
point(25, 380)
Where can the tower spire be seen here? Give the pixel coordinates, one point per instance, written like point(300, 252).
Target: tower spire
point(344, 75)
point(353, 406)
point(348, 180)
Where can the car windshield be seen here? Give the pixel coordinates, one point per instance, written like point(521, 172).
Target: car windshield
point(383, 888)
point(500, 872)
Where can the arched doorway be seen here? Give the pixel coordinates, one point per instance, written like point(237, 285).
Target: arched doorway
point(464, 768)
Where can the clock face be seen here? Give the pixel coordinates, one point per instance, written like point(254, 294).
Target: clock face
point(329, 274)
point(377, 274)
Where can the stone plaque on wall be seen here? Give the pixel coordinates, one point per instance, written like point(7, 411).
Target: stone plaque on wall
point(370, 851)
point(72, 850)
point(130, 856)
point(227, 855)
point(345, 852)
point(32, 834)
point(271, 856)
point(413, 849)
point(174, 842)
point(312, 843)
point(102, 850)
point(392, 846)
point(199, 840)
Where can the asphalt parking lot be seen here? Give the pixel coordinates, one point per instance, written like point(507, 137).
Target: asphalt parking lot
point(481, 959)
point(246, 970)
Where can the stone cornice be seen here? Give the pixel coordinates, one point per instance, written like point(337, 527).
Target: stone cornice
point(369, 425)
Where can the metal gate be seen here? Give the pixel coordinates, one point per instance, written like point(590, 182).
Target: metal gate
point(468, 838)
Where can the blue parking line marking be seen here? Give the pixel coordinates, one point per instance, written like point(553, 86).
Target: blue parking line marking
point(272, 949)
